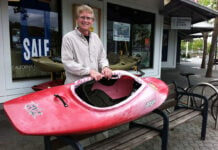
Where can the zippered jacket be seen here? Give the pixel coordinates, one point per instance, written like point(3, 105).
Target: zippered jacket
point(79, 56)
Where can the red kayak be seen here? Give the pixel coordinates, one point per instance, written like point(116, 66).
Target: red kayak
point(86, 106)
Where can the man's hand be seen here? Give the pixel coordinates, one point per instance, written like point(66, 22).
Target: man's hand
point(95, 75)
point(107, 72)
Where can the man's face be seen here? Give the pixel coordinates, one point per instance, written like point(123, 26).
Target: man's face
point(85, 21)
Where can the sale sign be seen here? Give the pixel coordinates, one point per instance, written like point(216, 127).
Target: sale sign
point(35, 47)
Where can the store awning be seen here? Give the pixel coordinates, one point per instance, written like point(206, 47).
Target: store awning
point(186, 33)
point(196, 35)
point(187, 8)
point(196, 28)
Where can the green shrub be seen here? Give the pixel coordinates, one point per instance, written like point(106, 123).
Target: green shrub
point(188, 56)
point(183, 55)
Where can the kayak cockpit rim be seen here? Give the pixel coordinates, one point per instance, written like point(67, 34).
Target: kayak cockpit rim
point(118, 74)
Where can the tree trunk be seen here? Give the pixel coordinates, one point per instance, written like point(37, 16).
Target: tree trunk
point(213, 46)
point(205, 37)
point(212, 49)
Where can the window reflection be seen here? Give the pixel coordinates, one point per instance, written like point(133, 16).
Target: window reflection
point(34, 32)
point(130, 37)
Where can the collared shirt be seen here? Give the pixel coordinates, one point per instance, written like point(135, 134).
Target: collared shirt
point(79, 56)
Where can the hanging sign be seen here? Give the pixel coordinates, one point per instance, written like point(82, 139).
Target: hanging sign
point(181, 23)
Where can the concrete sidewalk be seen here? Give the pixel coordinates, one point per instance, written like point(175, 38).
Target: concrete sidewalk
point(183, 137)
point(193, 66)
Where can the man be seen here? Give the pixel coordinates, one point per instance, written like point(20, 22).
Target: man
point(82, 51)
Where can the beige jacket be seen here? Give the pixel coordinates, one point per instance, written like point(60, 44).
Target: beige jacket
point(79, 56)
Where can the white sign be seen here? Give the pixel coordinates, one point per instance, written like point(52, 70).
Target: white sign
point(35, 47)
point(121, 31)
point(181, 23)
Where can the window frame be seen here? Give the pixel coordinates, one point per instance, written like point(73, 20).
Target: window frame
point(152, 39)
point(22, 84)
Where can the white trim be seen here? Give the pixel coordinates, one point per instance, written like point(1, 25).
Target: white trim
point(2, 77)
point(6, 46)
point(104, 23)
point(158, 45)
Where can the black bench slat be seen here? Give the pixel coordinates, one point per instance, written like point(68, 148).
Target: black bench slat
point(137, 141)
point(113, 138)
point(184, 118)
point(137, 136)
point(179, 113)
point(114, 142)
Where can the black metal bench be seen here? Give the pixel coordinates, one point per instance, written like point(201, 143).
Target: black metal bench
point(138, 133)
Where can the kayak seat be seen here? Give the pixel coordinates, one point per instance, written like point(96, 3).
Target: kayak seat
point(100, 99)
point(97, 97)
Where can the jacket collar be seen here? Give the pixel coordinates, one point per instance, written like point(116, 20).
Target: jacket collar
point(80, 34)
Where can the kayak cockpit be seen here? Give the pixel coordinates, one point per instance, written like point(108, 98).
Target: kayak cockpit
point(106, 93)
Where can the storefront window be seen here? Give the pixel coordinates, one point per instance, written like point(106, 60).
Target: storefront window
point(130, 35)
point(34, 32)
